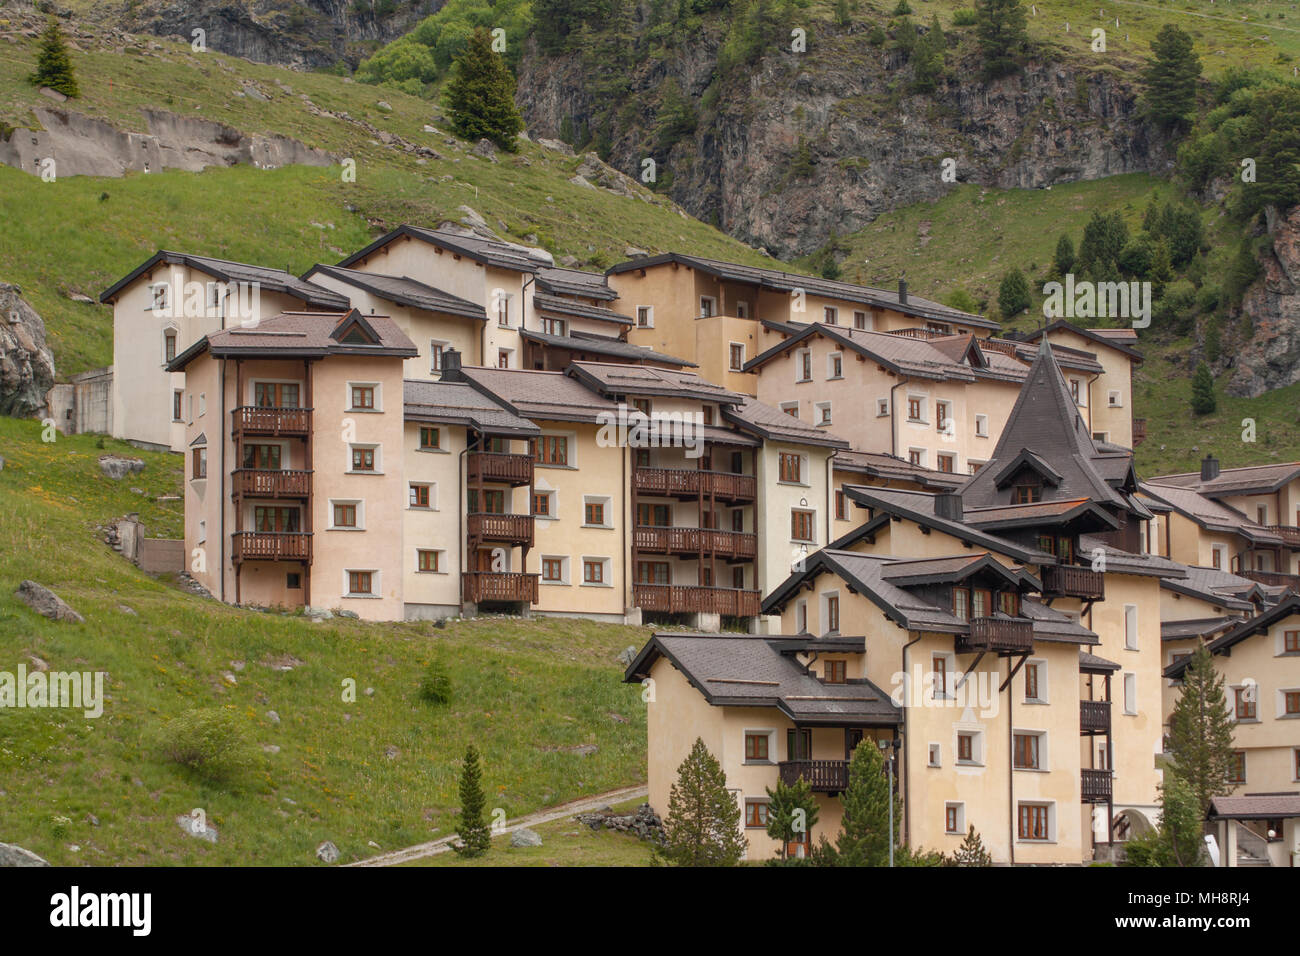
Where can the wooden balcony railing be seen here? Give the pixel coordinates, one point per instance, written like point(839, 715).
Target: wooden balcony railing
point(1273, 579)
point(725, 544)
point(997, 634)
point(255, 420)
point(1288, 533)
point(1139, 431)
point(689, 483)
point(270, 546)
point(825, 776)
point(515, 529)
point(1094, 717)
point(267, 483)
point(1073, 581)
point(480, 587)
point(1095, 786)
point(686, 599)
point(498, 467)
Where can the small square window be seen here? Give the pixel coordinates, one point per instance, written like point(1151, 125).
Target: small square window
point(363, 397)
point(363, 459)
point(756, 746)
point(430, 437)
point(427, 560)
point(360, 582)
point(419, 496)
point(935, 759)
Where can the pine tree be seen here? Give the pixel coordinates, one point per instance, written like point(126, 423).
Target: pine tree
point(865, 837)
point(1013, 294)
point(1177, 841)
point(1203, 400)
point(1171, 77)
point(53, 64)
point(703, 823)
point(928, 59)
point(481, 95)
point(1063, 258)
point(1003, 34)
point(791, 813)
point(1200, 729)
point(972, 852)
point(475, 837)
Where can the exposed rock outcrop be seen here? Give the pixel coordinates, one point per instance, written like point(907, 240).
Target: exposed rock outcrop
point(1270, 358)
point(26, 363)
point(11, 855)
point(46, 603)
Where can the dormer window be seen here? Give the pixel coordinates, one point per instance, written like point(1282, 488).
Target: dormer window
point(1061, 546)
point(1026, 492)
point(835, 672)
point(1009, 603)
point(970, 603)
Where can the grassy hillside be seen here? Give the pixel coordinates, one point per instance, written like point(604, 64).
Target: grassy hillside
point(526, 693)
point(80, 234)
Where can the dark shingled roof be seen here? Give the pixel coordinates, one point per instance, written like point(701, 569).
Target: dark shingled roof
point(892, 468)
point(755, 671)
point(787, 282)
point(589, 285)
point(1210, 514)
point(1126, 562)
point(402, 290)
point(602, 345)
point(1264, 806)
point(901, 354)
point(303, 335)
point(502, 255)
point(555, 303)
point(775, 425)
point(611, 378)
point(549, 396)
point(1116, 339)
point(1201, 627)
point(1222, 588)
point(1091, 662)
point(1258, 479)
point(1260, 623)
point(276, 280)
point(458, 403)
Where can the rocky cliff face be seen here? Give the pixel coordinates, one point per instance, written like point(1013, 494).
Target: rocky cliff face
point(864, 144)
point(26, 364)
point(1270, 358)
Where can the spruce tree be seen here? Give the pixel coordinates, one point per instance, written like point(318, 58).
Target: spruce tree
point(1003, 34)
point(1013, 294)
point(1178, 840)
point(928, 58)
point(972, 852)
point(1200, 729)
point(1171, 77)
point(475, 836)
point(1063, 258)
point(53, 64)
point(481, 95)
point(865, 837)
point(791, 812)
point(1203, 400)
point(702, 827)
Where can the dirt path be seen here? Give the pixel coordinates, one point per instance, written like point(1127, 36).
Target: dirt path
point(443, 844)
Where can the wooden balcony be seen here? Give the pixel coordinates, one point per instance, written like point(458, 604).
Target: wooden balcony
point(1139, 431)
point(513, 470)
point(270, 546)
point(1288, 533)
point(1094, 717)
point(825, 776)
point(1095, 786)
point(1002, 635)
point(688, 599)
point(482, 587)
point(268, 483)
point(511, 529)
point(255, 420)
point(732, 545)
point(691, 483)
point(1273, 579)
point(1073, 581)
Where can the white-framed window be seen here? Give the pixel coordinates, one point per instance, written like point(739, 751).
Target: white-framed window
point(935, 758)
point(1079, 392)
point(554, 569)
point(365, 459)
point(735, 356)
point(742, 310)
point(436, 348)
point(1035, 822)
point(169, 344)
point(545, 504)
point(1101, 436)
point(597, 511)
point(203, 531)
point(1219, 556)
point(973, 465)
point(823, 412)
point(916, 409)
point(790, 408)
point(203, 404)
point(1029, 749)
point(803, 365)
point(943, 677)
point(708, 306)
point(505, 358)
point(1131, 627)
point(830, 315)
point(214, 295)
point(862, 321)
point(954, 818)
point(189, 407)
point(346, 514)
point(361, 583)
point(1115, 398)
point(801, 617)
point(1130, 694)
point(645, 316)
point(423, 496)
point(430, 561)
point(834, 366)
point(501, 301)
point(596, 572)
point(1035, 681)
point(365, 397)
point(760, 745)
point(981, 426)
point(968, 745)
point(917, 456)
point(882, 407)
point(830, 611)
point(160, 296)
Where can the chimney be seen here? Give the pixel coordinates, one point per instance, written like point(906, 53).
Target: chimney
point(451, 366)
point(1209, 468)
point(902, 290)
point(948, 505)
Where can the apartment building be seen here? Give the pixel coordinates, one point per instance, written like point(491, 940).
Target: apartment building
point(168, 303)
point(720, 315)
point(1014, 623)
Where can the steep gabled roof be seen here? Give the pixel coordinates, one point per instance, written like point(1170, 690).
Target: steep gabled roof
point(1210, 514)
point(1116, 339)
point(501, 255)
point(458, 403)
point(275, 280)
point(1260, 623)
point(402, 290)
point(773, 424)
point(544, 302)
point(303, 335)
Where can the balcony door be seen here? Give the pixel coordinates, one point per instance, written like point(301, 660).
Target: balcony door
point(275, 519)
point(798, 744)
point(262, 457)
point(494, 502)
point(852, 737)
point(275, 394)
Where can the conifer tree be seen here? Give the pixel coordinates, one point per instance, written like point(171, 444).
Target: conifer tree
point(1171, 77)
point(1063, 258)
point(865, 837)
point(481, 95)
point(475, 836)
point(53, 64)
point(791, 812)
point(1200, 728)
point(1178, 840)
point(1003, 34)
point(1203, 400)
point(1013, 294)
point(702, 827)
point(972, 852)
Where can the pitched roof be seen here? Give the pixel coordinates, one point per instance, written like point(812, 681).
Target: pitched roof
point(589, 285)
point(458, 403)
point(276, 280)
point(402, 290)
point(1262, 806)
point(760, 671)
point(901, 354)
point(1210, 514)
point(775, 425)
point(602, 345)
point(303, 335)
point(549, 396)
point(1091, 662)
point(787, 282)
point(892, 468)
point(610, 378)
point(1116, 339)
point(492, 252)
point(555, 303)
point(1222, 588)
point(1126, 562)
point(1252, 479)
point(1201, 627)
point(1288, 607)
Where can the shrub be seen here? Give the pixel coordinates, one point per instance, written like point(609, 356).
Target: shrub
point(209, 741)
point(435, 685)
point(963, 18)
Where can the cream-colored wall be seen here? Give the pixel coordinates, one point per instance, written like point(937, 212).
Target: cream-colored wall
point(1271, 742)
point(207, 498)
point(440, 528)
point(1116, 375)
point(777, 550)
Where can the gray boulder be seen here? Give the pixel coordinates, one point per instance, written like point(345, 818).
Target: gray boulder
point(45, 602)
point(525, 837)
point(485, 149)
point(26, 364)
point(202, 830)
point(327, 852)
point(118, 467)
point(11, 855)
